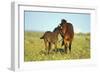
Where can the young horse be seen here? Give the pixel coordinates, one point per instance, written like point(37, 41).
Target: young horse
point(50, 38)
point(67, 34)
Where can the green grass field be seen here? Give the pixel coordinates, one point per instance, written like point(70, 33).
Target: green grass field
point(34, 49)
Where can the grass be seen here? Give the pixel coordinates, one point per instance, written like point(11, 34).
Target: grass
point(35, 48)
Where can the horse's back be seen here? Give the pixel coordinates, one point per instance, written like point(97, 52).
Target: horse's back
point(68, 31)
point(49, 36)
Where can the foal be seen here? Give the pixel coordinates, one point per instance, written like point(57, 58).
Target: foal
point(50, 38)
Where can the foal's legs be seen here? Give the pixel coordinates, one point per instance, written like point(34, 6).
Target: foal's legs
point(49, 47)
point(55, 45)
point(46, 45)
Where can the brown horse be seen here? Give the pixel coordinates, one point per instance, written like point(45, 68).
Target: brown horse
point(50, 38)
point(67, 33)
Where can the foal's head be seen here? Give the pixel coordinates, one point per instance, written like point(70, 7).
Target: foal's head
point(57, 30)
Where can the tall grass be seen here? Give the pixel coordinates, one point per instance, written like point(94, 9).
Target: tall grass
point(35, 48)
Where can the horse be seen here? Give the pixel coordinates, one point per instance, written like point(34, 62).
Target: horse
point(50, 38)
point(67, 33)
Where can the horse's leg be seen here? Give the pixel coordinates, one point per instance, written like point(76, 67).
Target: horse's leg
point(49, 47)
point(70, 47)
point(46, 45)
point(62, 43)
point(66, 48)
point(65, 45)
point(55, 45)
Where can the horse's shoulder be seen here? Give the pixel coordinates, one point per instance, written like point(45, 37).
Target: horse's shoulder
point(70, 25)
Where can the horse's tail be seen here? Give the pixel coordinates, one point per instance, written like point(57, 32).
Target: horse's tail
point(42, 37)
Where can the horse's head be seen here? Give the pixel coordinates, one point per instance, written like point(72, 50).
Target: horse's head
point(62, 26)
point(63, 21)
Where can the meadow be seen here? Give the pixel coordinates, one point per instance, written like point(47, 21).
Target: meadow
point(34, 48)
